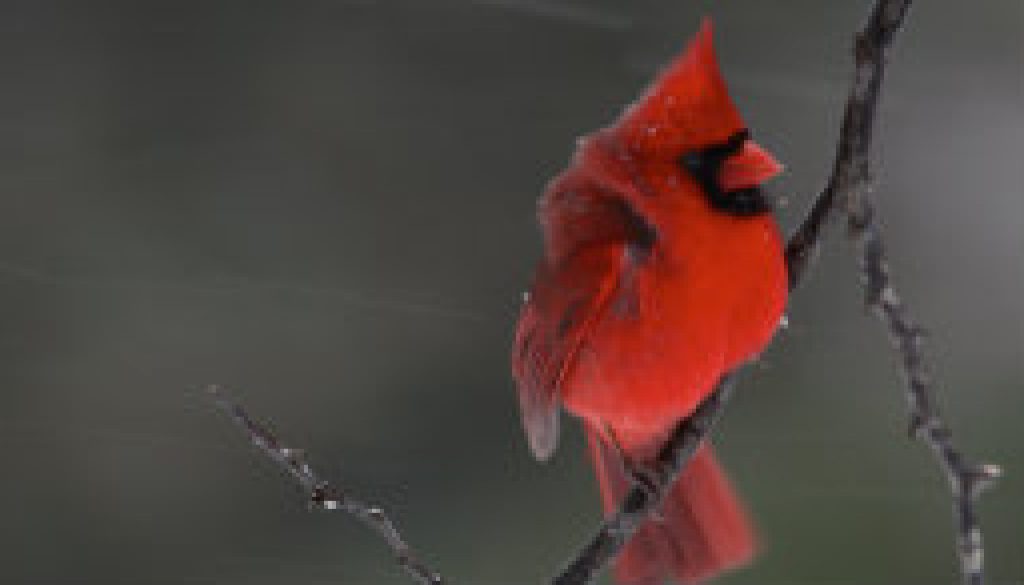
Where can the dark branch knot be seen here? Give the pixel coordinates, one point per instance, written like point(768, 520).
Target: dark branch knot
point(866, 49)
point(980, 478)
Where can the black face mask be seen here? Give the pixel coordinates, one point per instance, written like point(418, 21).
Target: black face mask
point(704, 165)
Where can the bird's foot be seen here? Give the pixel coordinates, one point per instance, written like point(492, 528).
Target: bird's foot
point(639, 473)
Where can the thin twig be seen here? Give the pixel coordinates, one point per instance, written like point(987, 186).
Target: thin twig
point(967, 480)
point(846, 189)
point(320, 493)
point(850, 171)
point(849, 189)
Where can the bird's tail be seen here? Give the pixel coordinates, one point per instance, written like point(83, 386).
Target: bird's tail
point(700, 529)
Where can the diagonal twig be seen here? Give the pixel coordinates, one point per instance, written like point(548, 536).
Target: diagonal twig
point(850, 171)
point(321, 494)
point(848, 190)
point(967, 480)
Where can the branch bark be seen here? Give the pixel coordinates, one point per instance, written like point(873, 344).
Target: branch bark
point(967, 480)
point(320, 494)
point(849, 188)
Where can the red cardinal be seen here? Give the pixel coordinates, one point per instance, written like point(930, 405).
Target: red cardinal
point(663, 269)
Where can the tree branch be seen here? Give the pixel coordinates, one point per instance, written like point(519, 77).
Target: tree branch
point(849, 186)
point(967, 480)
point(850, 170)
point(320, 493)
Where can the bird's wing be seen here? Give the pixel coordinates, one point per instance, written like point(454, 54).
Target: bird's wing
point(587, 231)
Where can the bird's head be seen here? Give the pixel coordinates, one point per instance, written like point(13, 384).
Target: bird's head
point(687, 116)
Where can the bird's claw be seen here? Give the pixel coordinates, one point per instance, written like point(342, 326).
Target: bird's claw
point(639, 474)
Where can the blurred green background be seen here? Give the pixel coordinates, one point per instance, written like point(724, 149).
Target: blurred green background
point(327, 207)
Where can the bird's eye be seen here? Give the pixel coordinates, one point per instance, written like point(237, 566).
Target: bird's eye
point(704, 164)
point(692, 162)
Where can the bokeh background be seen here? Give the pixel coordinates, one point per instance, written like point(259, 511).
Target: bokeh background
point(327, 207)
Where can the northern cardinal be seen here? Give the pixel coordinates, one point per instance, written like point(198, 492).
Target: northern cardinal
point(663, 270)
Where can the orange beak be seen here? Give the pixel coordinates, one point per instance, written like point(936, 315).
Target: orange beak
point(748, 167)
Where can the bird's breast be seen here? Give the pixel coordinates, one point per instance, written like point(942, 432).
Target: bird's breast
point(705, 298)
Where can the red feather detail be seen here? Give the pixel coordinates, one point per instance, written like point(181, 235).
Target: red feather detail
point(587, 228)
point(700, 529)
point(552, 324)
point(686, 108)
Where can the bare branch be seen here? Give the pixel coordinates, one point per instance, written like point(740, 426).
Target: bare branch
point(320, 493)
point(850, 171)
point(849, 188)
point(967, 480)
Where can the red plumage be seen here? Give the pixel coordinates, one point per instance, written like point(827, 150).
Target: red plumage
point(663, 269)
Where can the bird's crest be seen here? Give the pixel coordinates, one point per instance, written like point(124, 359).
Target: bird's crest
point(686, 108)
